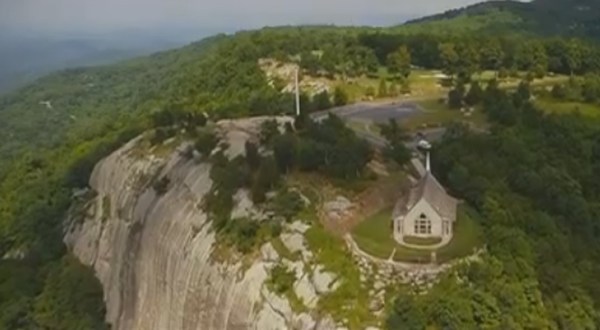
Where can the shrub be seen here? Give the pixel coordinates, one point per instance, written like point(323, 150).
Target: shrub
point(161, 186)
point(243, 234)
point(268, 130)
point(287, 204)
point(206, 142)
point(281, 279)
point(161, 134)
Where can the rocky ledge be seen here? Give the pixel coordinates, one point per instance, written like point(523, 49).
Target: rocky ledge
point(153, 252)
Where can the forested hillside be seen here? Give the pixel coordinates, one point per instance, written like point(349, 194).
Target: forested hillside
point(541, 223)
point(540, 17)
point(534, 181)
point(221, 76)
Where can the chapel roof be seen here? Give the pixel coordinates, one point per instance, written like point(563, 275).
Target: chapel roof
point(429, 189)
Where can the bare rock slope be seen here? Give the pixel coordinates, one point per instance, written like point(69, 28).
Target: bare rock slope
point(152, 253)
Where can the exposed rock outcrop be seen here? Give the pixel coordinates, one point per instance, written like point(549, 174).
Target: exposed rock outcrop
point(152, 253)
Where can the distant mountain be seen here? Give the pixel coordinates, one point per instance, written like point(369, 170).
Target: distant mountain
point(579, 18)
point(24, 58)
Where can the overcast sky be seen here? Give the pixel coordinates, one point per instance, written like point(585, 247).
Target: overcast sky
point(111, 15)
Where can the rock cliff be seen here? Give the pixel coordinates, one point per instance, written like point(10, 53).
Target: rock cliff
point(152, 253)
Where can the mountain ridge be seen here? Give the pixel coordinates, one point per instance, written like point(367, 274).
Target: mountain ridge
point(579, 18)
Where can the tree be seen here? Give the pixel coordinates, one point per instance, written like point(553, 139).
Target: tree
point(449, 58)
point(321, 101)
point(456, 96)
point(573, 56)
point(492, 56)
point(161, 186)
point(281, 279)
point(206, 142)
point(523, 93)
point(340, 97)
point(287, 204)
point(591, 88)
point(267, 178)
point(396, 137)
point(468, 61)
point(284, 149)
point(475, 94)
point(532, 57)
point(383, 90)
point(399, 62)
point(71, 298)
point(269, 129)
point(252, 155)
point(310, 155)
point(406, 314)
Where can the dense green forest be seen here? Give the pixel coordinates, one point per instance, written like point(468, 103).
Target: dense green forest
point(541, 223)
point(580, 18)
point(220, 75)
point(534, 180)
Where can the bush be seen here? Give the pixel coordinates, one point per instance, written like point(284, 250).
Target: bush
point(252, 155)
point(243, 234)
point(206, 142)
point(268, 130)
point(455, 99)
point(161, 134)
point(287, 204)
point(339, 97)
point(71, 298)
point(161, 186)
point(281, 279)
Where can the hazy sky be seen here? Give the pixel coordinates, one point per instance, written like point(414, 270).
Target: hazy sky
point(110, 15)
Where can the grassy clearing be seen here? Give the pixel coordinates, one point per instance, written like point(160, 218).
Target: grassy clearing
point(562, 107)
point(423, 83)
point(374, 236)
point(436, 113)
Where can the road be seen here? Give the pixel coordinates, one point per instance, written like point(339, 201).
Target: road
point(380, 112)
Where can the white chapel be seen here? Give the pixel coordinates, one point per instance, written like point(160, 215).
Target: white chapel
point(428, 212)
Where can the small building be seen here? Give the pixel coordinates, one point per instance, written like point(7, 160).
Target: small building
point(428, 212)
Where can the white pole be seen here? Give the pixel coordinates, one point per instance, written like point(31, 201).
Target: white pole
point(297, 95)
point(428, 163)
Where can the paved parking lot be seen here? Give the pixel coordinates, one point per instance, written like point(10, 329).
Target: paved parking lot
point(378, 113)
point(375, 112)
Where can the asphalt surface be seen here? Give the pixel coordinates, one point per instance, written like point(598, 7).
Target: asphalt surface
point(375, 112)
point(379, 113)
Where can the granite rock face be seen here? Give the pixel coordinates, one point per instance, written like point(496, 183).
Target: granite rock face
point(152, 253)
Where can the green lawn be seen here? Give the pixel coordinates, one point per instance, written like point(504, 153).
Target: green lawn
point(374, 236)
point(424, 241)
point(436, 113)
point(561, 107)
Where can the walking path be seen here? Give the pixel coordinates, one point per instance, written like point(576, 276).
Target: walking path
point(430, 269)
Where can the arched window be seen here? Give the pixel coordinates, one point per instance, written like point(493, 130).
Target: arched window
point(423, 225)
